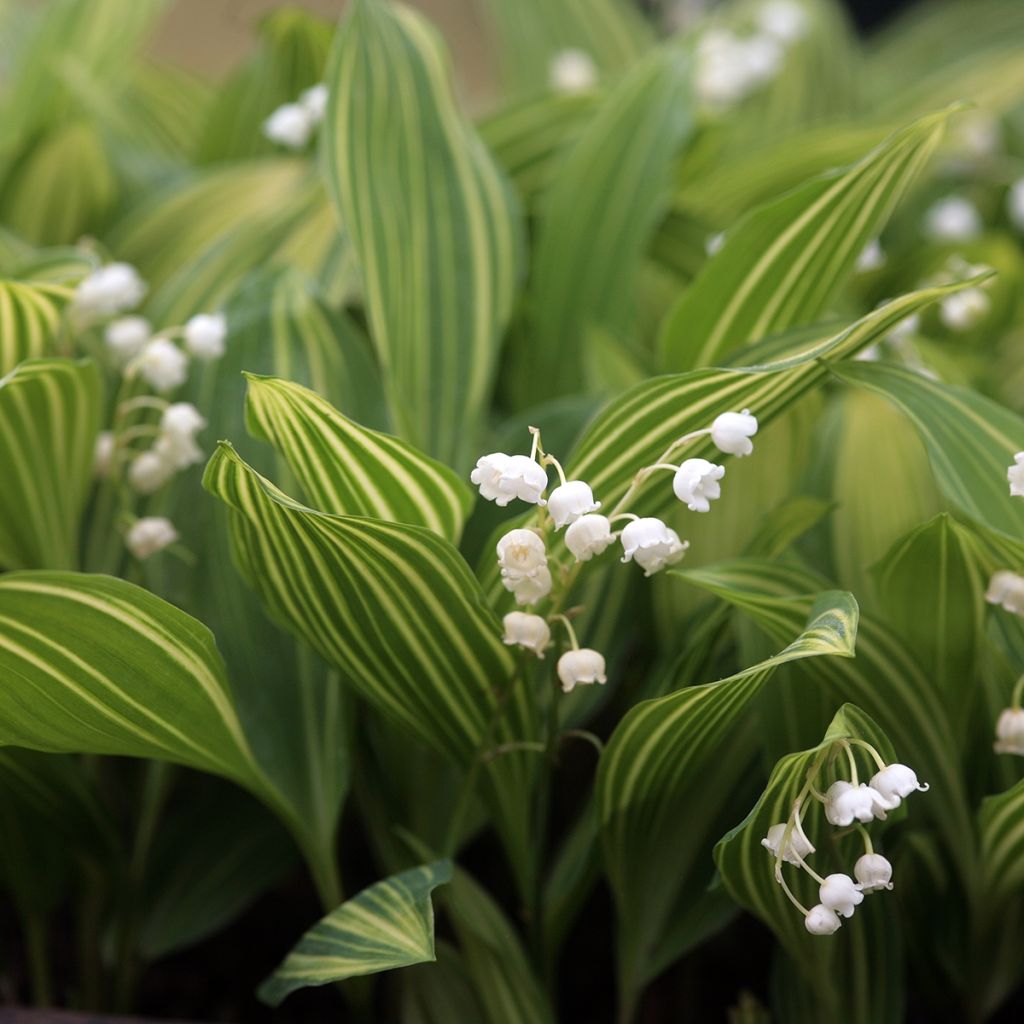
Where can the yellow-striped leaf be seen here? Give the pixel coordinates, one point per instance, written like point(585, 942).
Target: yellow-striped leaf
point(30, 314)
point(432, 220)
point(782, 264)
point(388, 925)
point(49, 418)
point(345, 468)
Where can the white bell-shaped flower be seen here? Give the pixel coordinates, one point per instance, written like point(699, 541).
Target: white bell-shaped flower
point(822, 921)
point(845, 803)
point(148, 472)
point(581, 668)
point(127, 336)
point(797, 847)
point(894, 782)
point(1015, 203)
point(205, 334)
point(572, 71)
point(713, 243)
point(487, 476)
point(1015, 476)
point(179, 425)
point(103, 453)
point(1010, 732)
point(873, 872)
point(840, 893)
point(1006, 589)
point(589, 536)
point(314, 100)
point(569, 501)
point(529, 631)
point(529, 589)
point(290, 126)
point(522, 478)
point(149, 535)
point(162, 365)
point(731, 432)
point(953, 219)
point(110, 290)
point(696, 484)
point(785, 20)
point(521, 553)
point(964, 310)
point(872, 257)
point(651, 544)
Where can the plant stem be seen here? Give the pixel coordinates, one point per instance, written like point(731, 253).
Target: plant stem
point(38, 959)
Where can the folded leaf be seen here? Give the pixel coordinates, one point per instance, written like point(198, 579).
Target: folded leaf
point(30, 314)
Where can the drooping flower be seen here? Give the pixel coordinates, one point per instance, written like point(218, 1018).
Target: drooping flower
point(149, 535)
point(822, 921)
point(487, 476)
point(148, 472)
point(1006, 589)
point(731, 432)
point(873, 872)
point(1010, 732)
point(872, 257)
point(522, 478)
point(569, 501)
point(162, 365)
point(290, 125)
point(126, 337)
point(729, 67)
point(110, 290)
point(845, 802)
point(529, 631)
point(953, 219)
point(1015, 203)
point(1015, 476)
point(529, 589)
point(713, 243)
point(521, 554)
point(179, 425)
point(572, 71)
point(963, 310)
point(314, 101)
point(588, 536)
point(580, 668)
point(797, 847)
point(651, 544)
point(696, 484)
point(894, 783)
point(205, 334)
point(840, 893)
point(103, 453)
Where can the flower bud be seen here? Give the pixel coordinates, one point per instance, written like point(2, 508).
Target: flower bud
point(696, 484)
point(651, 544)
point(581, 668)
point(163, 365)
point(110, 290)
point(839, 893)
point(103, 453)
point(873, 872)
point(872, 257)
point(589, 536)
point(953, 219)
point(127, 336)
point(314, 101)
point(1006, 589)
point(822, 921)
point(149, 535)
point(732, 431)
point(1015, 476)
point(529, 631)
point(205, 334)
point(149, 472)
point(1010, 732)
point(894, 782)
point(569, 501)
point(290, 126)
point(572, 71)
point(845, 802)
point(797, 847)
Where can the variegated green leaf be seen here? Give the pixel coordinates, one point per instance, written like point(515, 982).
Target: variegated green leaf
point(345, 468)
point(49, 419)
point(780, 267)
point(388, 925)
point(853, 975)
point(658, 761)
point(30, 316)
point(598, 214)
point(432, 220)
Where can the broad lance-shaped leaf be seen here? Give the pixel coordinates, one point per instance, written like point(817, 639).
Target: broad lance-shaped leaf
point(388, 925)
point(658, 761)
point(597, 217)
point(971, 440)
point(49, 419)
point(345, 468)
point(854, 974)
point(432, 219)
point(782, 264)
point(30, 313)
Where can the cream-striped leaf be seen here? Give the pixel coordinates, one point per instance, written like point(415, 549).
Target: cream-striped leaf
point(388, 925)
point(345, 468)
point(432, 219)
point(782, 264)
point(49, 418)
point(30, 315)
point(658, 761)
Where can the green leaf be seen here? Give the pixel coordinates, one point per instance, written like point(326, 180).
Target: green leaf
point(388, 925)
point(49, 419)
point(432, 220)
point(598, 216)
point(30, 314)
point(344, 468)
point(970, 440)
point(781, 265)
point(854, 974)
point(658, 761)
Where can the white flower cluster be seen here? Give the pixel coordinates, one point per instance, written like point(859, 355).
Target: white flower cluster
point(845, 803)
point(175, 449)
point(649, 542)
point(292, 124)
point(731, 66)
